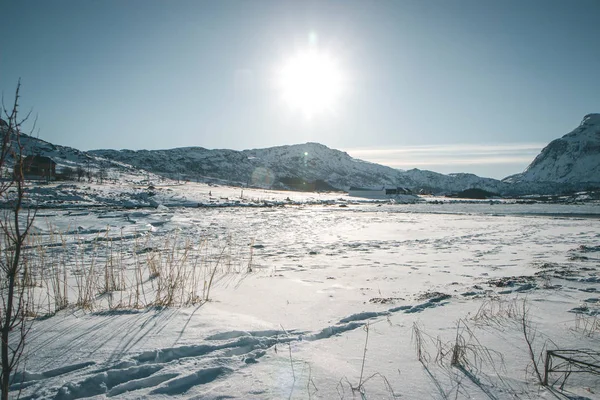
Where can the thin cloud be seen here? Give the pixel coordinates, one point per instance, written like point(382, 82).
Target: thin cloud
point(457, 149)
point(456, 161)
point(496, 159)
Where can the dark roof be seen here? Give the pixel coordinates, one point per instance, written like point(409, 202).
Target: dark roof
point(366, 189)
point(39, 159)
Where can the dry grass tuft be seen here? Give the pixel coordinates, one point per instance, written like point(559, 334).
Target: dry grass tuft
point(113, 272)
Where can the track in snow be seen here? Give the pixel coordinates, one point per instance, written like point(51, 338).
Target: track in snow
point(176, 370)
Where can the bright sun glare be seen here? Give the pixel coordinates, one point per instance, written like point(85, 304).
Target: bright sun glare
point(311, 82)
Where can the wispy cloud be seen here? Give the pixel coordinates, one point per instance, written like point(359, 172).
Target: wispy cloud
point(513, 157)
point(456, 149)
point(457, 161)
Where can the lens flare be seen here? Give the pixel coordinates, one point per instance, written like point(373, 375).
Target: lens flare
point(262, 177)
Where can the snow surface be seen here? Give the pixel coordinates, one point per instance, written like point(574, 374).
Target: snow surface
point(319, 295)
point(296, 326)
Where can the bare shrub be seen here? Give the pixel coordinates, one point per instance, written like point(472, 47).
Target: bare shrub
point(15, 224)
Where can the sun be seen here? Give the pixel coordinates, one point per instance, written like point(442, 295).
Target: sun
point(311, 82)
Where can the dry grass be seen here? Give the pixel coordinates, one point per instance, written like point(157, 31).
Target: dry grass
point(588, 325)
point(516, 313)
point(113, 272)
point(497, 311)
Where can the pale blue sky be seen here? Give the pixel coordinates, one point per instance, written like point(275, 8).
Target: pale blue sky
point(452, 86)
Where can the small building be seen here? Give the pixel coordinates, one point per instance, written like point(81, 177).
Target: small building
point(39, 167)
point(378, 192)
point(397, 191)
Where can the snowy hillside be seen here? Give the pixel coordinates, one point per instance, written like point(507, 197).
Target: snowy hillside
point(291, 166)
point(278, 167)
point(313, 161)
point(70, 159)
point(283, 167)
point(573, 159)
point(435, 182)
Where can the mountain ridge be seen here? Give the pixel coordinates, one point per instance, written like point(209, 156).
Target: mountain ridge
point(572, 159)
point(271, 167)
point(313, 165)
point(275, 167)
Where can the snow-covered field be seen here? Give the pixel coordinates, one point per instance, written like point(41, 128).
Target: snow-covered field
point(324, 296)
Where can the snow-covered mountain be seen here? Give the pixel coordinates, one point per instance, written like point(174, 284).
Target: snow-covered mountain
point(291, 166)
point(573, 159)
point(271, 167)
point(287, 167)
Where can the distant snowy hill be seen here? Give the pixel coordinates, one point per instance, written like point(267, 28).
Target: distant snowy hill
point(573, 159)
point(434, 182)
point(272, 167)
point(290, 166)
